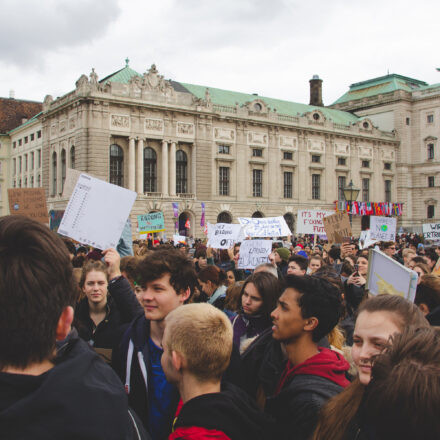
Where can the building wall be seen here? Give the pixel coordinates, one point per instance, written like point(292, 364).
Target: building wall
point(4, 173)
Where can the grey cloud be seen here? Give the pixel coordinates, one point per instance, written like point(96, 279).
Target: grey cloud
point(31, 29)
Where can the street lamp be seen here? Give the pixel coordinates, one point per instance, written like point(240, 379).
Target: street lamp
point(351, 194)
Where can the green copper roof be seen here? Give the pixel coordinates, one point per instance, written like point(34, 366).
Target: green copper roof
point(226, 97)
point(381, 85)
point(122, 76)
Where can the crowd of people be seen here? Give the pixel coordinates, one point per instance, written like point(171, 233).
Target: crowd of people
point(179, 343)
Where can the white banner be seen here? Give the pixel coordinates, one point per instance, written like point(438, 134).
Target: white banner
point(264, 227)
point(383, 228)
point(431, 231)
point(253, 253)
point(310, 221)
point(179, 239)
point(223, 235)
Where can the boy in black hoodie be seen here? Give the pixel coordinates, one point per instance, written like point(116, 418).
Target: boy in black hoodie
point(197, 347)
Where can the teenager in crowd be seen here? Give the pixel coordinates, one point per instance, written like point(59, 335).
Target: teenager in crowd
point(297, 265)
point(233, 297)
point(378, 319)
point(421, 269)
point(315, 263)
point(407, 255)
point(428, 298)
point(431, 258)
point(258, 298)
point(197, 346)
point(308, 309)
point(109, 304)
point(212, 282)
point(45, 394)
point(279, 258)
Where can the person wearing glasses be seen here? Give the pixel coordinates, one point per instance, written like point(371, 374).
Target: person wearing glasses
point(389, 248)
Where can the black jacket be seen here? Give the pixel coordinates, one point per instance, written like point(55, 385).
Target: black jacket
point(122, 308)
point(79, 398)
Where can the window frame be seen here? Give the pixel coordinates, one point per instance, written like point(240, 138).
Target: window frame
point(257, 182)
point(288, 184)
point(223, 181)
point(316, 186)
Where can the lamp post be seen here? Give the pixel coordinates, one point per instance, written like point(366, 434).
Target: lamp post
point(351, 194)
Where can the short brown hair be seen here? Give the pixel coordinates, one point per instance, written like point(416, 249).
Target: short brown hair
point(203, 335)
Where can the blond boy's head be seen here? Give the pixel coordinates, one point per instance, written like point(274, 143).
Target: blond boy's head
point(202, 336)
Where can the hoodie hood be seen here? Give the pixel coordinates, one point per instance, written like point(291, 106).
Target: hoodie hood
point(231, 411)
point(327, 363)
point(80, 397)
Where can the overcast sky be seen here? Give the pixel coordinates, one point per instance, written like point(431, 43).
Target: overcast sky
point(269, 47)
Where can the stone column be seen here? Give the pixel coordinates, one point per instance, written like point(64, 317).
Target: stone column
point(165, 168)
point(140, 167)
point(194, 169)
point(59, 178)
point(131, 164)
point(172, 160)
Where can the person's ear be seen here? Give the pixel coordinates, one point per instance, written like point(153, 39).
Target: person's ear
point(424, 308)
point(310, 324)
point(64, 323)
point(185, 294)
point(177, 360)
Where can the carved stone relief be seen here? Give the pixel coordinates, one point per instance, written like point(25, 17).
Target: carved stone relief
point(154, 126)
point(255, 138)
point(72, 123)
point(315, 145)
point(53, 130)
point(387, 154)
point(63, 126)
point(151, 81)
point(290, 142)
point(224, 134)
point(185, 129)
point(342, 149)
point(365, 152)
point(120, 122)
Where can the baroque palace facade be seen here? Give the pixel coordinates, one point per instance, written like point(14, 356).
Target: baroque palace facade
point(238, 154)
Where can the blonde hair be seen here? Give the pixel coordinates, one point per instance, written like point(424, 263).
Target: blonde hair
point(203, 335)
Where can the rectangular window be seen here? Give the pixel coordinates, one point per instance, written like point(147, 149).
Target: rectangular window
point(342, 161)
point(288, 178)
point(430, 119)
point(26, 139)
point(316, 158)
point(19, 165)
point(316, 186)
point(387, 166)
point(25, 162)
point(430, 151)
point(257, 189)
point(32, 136)
point(14, 166)
point(38, 134)
point(32, 160)
point(39, 158)
point(387, 190)
point(287, 155)
point(19, 142)
point(341, 186)
point(365, 190)
point(431, 211)
point(431, 183)
point(223, 173)
point(257, 152)
point(408, 121)
point(223, 149)
point(365, 164)
point(14, 144)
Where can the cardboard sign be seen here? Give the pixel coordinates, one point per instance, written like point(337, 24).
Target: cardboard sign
point(337, 226)
point(431, 231)
point(310, 221)
point(383, 228)
point(55, 219)
point(152, 222)
point(264, 227)
point(179, 239)
point(253, 253)
point(365, 239)
point(385, 275)
point(97, 212)
point(224, 235)
point(30, 202)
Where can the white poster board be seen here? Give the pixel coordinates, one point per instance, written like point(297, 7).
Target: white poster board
point(310, 221)
point(386, 275)
point(179, 239)
point(365, 239)
point(431, 231)
point(383, 228)
point(264, 227)
point(253, 253)
point(223, 235)
point(97, 212)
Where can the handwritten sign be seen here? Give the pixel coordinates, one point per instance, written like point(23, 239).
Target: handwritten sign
point(97, 212)
point(383, 228)
point(365, 239)
point(30, 202)
point(223, 235)
point(310, 221)
point(337, 226)
point(264, 227)
point(179, 239)
point(385, 275)
point(253, 253)
point(152, 222)
point(55, 216)
point(431, 231)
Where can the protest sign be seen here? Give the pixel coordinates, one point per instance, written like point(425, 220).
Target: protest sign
point(431, 231)
point(383, 228)
point(179, 239)
point(223, 235)
point(310, 221)
point(365, 239)
point(152, 222)
point(55, 217)
point(264, 227)
point(337, 226)
point(253, 253)
point(97, 212)
point(30, 202)
point(385, 275)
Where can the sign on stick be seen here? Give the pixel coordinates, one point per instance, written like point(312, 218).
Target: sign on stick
point(383, 228)
point(152, 222)
point(264, 227)
point(223, 235)
point(431, 231)
point(253, 253)
point(30, 202)
point(337, 226)
point(310, 221)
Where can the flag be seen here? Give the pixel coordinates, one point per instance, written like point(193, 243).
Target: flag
point(187, 224)
point(176, 209)
point(202, 219)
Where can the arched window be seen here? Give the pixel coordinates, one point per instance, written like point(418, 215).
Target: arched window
point(150, 177)
point(289, 220)
point(54, 174)
point(181, 172)
point(257, 214)
point(116, 165)
point(39, 180)
point(32, 181)
point(72, 156)
point(63, 168)
point(224, 217)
